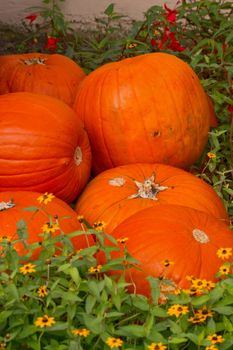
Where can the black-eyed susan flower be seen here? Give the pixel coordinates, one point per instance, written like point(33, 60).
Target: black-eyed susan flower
point(132, 45)
point(27, 268)
point(211, 347)
point(3, 345)
point(42, 291)
point(224, 269)
point(99, 225)
point(80, 218)
point(167, 263)
point(215, 339)
point(50, 227)
point(199, 283)
point(45, 321)
point(224, 253)
point(210, 285)
point(211, 155)
point(5, 238)
point(45, 198)
point(156, 346)
point(197, 319)
point(95, 269)
point(81, 332)
point(204, 312)
point(177, 310)
point(122, 240)
point(114, 342)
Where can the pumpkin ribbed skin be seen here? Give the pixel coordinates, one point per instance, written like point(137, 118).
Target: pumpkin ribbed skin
point(50, 74)
point(147, 109)
point(113, 195)
point(43, 146)
point(65, 216)
point(185, 236)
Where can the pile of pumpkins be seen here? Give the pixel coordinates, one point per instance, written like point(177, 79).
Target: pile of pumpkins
point(118, 145)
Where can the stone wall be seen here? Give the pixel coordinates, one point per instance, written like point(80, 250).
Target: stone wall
point(81, 11)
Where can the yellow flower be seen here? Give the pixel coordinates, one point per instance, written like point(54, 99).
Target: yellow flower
point(214, 338)
point(157, 346)
point(197, 318)
point(211, 347)
point(3, 345)
point(177, 310)
point(44, 321)
point(199, 283)
point(122, 240)
point(5, 238)
point(50, 228)
point(82, 332)
point(132, 45)
point(45, 198)
point(27, 268)
point(114, 342)
point(204, 312)
point(224, 270)
point(42, 291)
point(224, 253)
point(167, 262)
point(210, 285)
point(95, 269)
point(99, 225)
point(211, 155)
point(80, 218)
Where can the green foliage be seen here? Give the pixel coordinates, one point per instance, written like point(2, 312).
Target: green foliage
point(69, 301)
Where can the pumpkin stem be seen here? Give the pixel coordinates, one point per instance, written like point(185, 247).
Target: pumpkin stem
point(34, 60)
point(148, 189)
point(6, 205)
point(78, 156)
point(200, 236)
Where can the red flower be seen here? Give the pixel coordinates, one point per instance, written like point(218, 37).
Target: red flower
point(230, 108)
point(153, 42)
point(51, 43)
point(170, 14)
point(170, 42)
point(31, 17)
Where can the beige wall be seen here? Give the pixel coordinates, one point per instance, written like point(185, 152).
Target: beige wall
point(13, 11)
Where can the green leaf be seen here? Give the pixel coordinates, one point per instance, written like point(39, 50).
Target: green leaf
point(132, 330)
point(200, 300)
point(224, 310)
point(90, 303)
point(177, 340)
point(109, 10)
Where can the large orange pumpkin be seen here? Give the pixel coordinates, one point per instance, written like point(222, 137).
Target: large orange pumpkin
point(50, 74)
point(187, 238)
point(12, 210)
point(147, 109)
point(117, 193)
point(44, 147)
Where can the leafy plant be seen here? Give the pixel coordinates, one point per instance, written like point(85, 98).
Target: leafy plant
point(68, 301)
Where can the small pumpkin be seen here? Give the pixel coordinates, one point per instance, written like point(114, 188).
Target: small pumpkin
point(117, 193)
point(40, 215)
point(150, 108)
point(50, 74)
point(44, 147)
point(185, 237)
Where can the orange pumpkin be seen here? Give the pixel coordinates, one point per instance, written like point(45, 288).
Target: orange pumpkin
point(117, 193)
point(147, 109)
point(55, 214)
point(50, 74)
point(186, 238)
point(44, 147)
